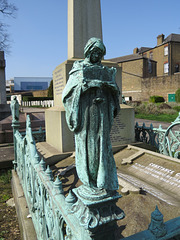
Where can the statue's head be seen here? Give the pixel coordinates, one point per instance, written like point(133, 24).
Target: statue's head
point(14, 98)
point(94, 50)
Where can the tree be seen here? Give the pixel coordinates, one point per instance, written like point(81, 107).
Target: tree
point(9, 10)
point(50, 89)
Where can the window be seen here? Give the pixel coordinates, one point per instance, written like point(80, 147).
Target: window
point(165, 50)
point(166, 67)
point(149, 66)
point(151, 55)
point(177, 67)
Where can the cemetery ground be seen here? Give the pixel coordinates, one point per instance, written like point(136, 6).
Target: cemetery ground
point(136, 206)
point(165, 112)
point(9, 227)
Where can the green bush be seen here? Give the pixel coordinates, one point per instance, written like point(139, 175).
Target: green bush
point(177, 108)
point(29, 98)
point(177, 96)
point(156, 99)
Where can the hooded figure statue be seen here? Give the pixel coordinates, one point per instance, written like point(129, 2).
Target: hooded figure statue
point(91, 101)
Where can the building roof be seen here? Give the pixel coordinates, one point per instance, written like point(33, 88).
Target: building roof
point(144, 49)
point(172, 38)
point(126, 58)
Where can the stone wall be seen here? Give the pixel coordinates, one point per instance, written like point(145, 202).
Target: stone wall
point(162, 86)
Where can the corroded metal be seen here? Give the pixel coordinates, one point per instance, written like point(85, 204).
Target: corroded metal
point(166, 141)
point(157, 229)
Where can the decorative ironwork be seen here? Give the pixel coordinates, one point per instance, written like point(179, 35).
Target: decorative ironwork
point(166, 141)
point(55, 216)
point(44, 196)
point(39, 136)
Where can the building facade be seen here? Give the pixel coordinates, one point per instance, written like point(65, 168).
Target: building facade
point(31, 83)
point(152, 65)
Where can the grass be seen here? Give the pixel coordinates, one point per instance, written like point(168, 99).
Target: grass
point(9, 228)
point(5, 179)
point(159, 117)
point(164, 112)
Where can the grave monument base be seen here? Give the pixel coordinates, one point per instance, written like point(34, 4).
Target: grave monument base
point(97, 212)
point(60, 137)
point(4, 111)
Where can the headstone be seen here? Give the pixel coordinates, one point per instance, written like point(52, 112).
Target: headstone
point(2, 79)
point(153, 172)
point(4, 107)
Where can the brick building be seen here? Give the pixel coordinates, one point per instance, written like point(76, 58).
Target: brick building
point(160, 64)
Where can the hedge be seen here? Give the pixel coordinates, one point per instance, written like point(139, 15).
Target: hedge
point(29, 98)
point(156, 99)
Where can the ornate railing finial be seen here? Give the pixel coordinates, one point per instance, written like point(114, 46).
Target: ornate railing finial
point(157, 226)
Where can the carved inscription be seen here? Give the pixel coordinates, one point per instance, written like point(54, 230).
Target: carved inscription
point(157, 174)
point(116, 132)
point(58, 81)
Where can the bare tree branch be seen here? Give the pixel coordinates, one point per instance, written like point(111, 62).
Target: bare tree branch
point(6, 9)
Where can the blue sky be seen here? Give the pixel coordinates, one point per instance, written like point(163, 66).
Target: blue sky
point(39, 32)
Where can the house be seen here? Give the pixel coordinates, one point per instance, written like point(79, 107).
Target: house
point(166, 53)
point(152, 71)
point(135, 67)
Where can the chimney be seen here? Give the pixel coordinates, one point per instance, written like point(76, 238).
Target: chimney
point(135, 51)
point(160, 39)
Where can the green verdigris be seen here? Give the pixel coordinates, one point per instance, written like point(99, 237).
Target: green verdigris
point(91, 101)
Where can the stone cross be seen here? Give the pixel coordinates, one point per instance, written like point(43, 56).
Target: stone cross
point(2, 79)
point(84, 22)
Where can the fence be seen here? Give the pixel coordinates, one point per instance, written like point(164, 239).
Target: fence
point(166, 141)
point(49, 209)
point(57, 217)
point(45, 103)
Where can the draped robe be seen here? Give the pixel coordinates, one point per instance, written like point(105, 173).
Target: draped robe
point(91, 101)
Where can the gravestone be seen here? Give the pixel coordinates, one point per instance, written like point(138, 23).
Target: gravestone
point(4, 107)
point(153, 172)
point(84, 22)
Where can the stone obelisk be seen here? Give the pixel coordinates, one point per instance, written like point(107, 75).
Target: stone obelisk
point(84, 22)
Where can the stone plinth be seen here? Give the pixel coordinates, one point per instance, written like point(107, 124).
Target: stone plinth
point(4, 111)
point(60, 137)
point(61, 75)
point(58, 134)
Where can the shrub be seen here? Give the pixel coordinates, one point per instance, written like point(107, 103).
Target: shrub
point(156, 99)
point(177, 108)
point(177, 95)
point(29, 98)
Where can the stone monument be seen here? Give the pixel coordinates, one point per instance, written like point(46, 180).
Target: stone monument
point(84, 22)
point(4, 107)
